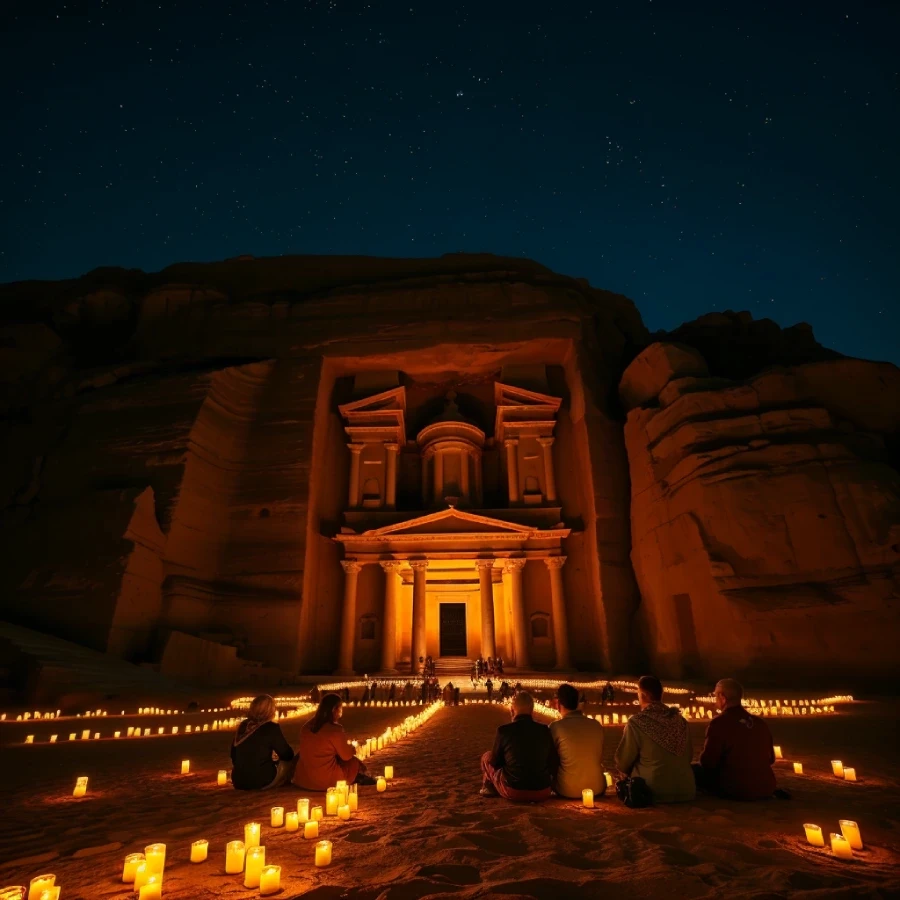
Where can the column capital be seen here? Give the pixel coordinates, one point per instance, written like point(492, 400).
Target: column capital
point(391, 565)
point(511, 442)
point(484, 564)
point(418, 564)
point(355, 448)
point(546, 441)
point(351, 566)
point(514, 564)
point(555, 562)
point(392, 447)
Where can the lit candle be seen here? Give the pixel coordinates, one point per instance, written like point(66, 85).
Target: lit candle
point(53, 738)
point(344, 812)
point(222, 777)
point(311, 829)
point(331, 802)
point(777, 750)
point(72, 736)
point(389, 772)
point(156, 857)
point(50, 893)
point(270, 880)
point(798, 768)
point(43, 882)
point(117, 734)
point(185, 766)
point(353, 799)
point(609, 780)
point(303, 809)
point(131, 863)
point(199, 851)
point(141, 874)
point(814, 835)
point(587, 798)
point(849, 774)
point(81, 784)
point(152, 890)
point(323, 853)
point(291, 821)
point(277, 817)
point(840, 846)
point(253, 866)
point(251, 835)
point(381, 784)
point(850, 830)
point(316, 814)
point(234, 857)
point(837, 767)
point(29, 738)
point(86, 735)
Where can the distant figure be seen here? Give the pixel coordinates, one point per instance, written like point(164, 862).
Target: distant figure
point(498, 662)
point(738, 755)
point(422, 665)
point(489, 686)
point(519, 765)
point(324, 754)
point(656, 746)
point(424, 690)
point(346, 695)
point(606, 695)
point(478, 668)
point(447, 693)
point(257, 738)
point(407, 691)
point(365, 696)
point(504, 691)
point(474, 675)
point(392, 693)
point(315, 695)
point(579, 748)
point(456, 696)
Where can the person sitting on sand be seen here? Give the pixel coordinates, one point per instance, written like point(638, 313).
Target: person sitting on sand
point(324, 754)
point(518, 767)
point(738, 755)
point(579, 748)
point(656, 746)
point(257, 742)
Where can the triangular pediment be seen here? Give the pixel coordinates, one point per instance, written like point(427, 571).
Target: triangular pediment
point(509, 395)
point(394, 399)
point(451, 521)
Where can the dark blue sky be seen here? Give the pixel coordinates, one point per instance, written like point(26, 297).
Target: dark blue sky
point(693, 156)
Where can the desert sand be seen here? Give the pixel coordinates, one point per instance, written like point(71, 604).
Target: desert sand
point(430, 834)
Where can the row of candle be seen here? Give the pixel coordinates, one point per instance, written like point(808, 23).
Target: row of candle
point(136, 732)
point(43, 887)
point(843, 844)
point(839, 770)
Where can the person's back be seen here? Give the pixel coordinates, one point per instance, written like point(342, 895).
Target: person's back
point(579, 748)
point(524, 750)
point(256, 739)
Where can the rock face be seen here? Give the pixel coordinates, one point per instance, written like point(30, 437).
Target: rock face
point(765, 515)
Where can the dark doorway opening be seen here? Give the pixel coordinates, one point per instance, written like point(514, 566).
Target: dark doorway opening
point(453, 629)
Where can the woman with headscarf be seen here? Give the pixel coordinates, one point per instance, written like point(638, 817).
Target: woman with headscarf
point(324, 754)
point(260, 755)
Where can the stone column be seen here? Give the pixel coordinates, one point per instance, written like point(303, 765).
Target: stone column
point(353, 497)
point(486, 582)
point(348, 616)
point(520, 634)
point(512, 468)
point(438, 478)
point(418, 610)
point(549, 479)
point(558, 607)
point(390, 481)
point(464, 476)
point(389, 625)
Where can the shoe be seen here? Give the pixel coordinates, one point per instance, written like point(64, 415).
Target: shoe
point(365, 779)
point(488, 792)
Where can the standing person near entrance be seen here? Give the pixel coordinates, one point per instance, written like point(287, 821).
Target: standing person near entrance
point(489, 686)
point(519, 765)
point(579, 748)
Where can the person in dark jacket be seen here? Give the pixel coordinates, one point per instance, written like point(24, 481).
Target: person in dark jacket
point(257, 738)
point(738, 755)
point(518, 767)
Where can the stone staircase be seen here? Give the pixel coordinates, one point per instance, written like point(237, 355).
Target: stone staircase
point(37, 668)
point(452, 665)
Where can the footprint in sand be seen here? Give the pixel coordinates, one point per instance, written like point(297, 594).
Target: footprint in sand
point(455, 874)
point(503, 845)
point(673, 856)
point(576, 861)
point(668, 837)
point(361, 836)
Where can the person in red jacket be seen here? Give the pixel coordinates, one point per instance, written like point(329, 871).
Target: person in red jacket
point(738, 755)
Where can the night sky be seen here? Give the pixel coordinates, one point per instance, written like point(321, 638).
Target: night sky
point(692, 156)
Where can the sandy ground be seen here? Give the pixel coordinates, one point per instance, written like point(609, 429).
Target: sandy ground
point(431, 835)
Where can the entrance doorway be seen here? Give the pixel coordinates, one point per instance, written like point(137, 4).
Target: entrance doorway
point(453, 629)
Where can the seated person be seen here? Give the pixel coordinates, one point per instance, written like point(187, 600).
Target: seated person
point(737, 755)
point(579, 748)
point(518, 768)
point(324, 754)
point(257, 742)
point(656, 746)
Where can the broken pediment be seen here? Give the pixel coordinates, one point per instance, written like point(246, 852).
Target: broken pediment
point(378, 417)
point(521, 410)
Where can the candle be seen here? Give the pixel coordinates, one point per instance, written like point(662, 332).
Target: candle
point(331, 802)
point(222, 777)
point(849, 774)
point(251, 835)
point(141, 874)
point(253, 866)
point(152, 890)
point(277, 817)
point(270, 880)
point(291, 821)
point(117, 734)
point(199, 851)
point(81, 784)
point(29, 738)
point(156, 857)
point(344, 812)
point(316, 814)
point(323, 853)
point(86, 735)
point(850, 830)
point(798, 768)
point(43, 882)
point(185, 766)
point(353, 799)
point(303, 809)
point(814, 835)
point(54, 738)
point(50, 893)
point(389, 772)
point(72, 736)
point(840, 846)
point(837, 767)
point(587, 798)
point(381, 784)
point(777, 750)
point(609, 779)
point(310, 829)
point(234, 857)
point(131, 864)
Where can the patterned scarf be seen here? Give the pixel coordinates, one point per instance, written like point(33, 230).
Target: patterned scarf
point(248, 726)
point(663, 726)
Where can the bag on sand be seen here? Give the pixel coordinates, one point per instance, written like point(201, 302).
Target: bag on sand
point(633, 792)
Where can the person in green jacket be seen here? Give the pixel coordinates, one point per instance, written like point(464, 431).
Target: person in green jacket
point(656, 746)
